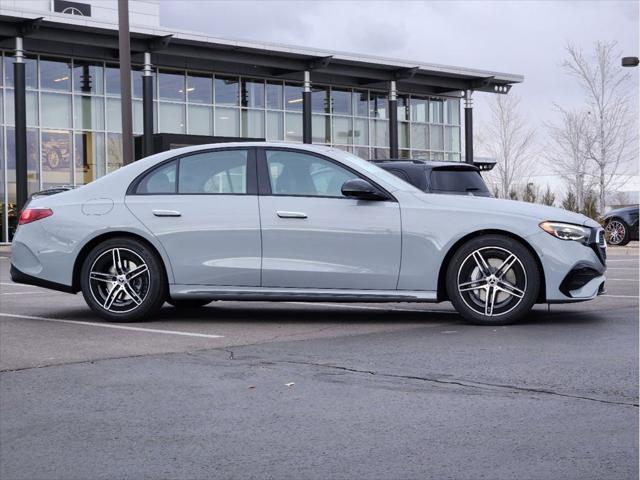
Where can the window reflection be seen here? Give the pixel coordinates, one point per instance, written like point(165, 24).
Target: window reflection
point(253, 123)
point(200, 120)
point(341, 101)
point(361, 103)
point(88, 77)
point(56, 110)
point(114, 151)
point(379, 105)
point(30, 72)
point(252, 94)
point(55, 75)
point(293, 127)
point(227, 90)
point(171, 118)
point(275, 125)
point(89, 112)
point(274, 95)
point(89, 156)
point(227, 123)
point(320, 102)
point(293, 97)
point(56, 158)
point(171, 86)
point(112, 80)
point(199, 88)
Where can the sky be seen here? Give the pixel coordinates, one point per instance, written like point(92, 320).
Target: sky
point(523, 37)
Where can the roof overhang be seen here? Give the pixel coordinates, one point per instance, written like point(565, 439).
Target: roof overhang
point(58, 34)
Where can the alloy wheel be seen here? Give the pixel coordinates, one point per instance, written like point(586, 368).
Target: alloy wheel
point(616, 232)
point(492, 281)
point(119, 280)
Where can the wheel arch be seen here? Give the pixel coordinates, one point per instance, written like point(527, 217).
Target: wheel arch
point(442, 273)
point(88, 246)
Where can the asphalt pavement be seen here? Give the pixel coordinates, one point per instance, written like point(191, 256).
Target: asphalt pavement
point(323, 391)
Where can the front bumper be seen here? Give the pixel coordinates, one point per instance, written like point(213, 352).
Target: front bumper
point(573, 271)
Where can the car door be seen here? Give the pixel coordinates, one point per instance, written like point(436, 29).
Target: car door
point(313, 236)
point(203, 208)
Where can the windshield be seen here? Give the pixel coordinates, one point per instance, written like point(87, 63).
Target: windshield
point(458, 181)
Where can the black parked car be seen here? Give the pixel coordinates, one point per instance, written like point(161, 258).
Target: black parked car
point(454, 178)
point(621, 225)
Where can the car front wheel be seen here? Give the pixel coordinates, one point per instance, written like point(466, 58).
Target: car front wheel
point(122, 280)
point(493, 280)
point(617, 232)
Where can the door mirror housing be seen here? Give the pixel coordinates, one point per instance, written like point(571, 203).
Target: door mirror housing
point(362, 190)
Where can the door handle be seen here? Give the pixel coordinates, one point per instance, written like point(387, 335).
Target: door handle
point(282, 214)
point(166, 213)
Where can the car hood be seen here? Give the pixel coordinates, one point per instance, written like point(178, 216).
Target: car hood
point(622, 210)
point(497, 206)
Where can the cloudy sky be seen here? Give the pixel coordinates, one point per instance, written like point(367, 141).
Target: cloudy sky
point(525, 37)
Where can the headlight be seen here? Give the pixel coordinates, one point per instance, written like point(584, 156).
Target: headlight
point(566, 231)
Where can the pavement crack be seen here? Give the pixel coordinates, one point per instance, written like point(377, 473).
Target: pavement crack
point(465, 383)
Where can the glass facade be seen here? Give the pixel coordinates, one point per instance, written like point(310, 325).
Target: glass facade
point(74, 131)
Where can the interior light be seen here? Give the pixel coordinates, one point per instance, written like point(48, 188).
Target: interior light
point(295, 100)
point(223, 118)
point(61, 79)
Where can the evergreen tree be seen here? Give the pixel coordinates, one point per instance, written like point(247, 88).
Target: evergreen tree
point(548, 198)
point(570, 202)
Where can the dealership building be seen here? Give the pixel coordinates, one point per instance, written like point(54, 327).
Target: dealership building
point(60, 59)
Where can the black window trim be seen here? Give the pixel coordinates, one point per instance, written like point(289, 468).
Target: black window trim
point(251, 181)
point(264, 181)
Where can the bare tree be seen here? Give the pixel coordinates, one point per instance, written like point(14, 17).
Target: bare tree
point(568, 152)
point(611, 134)
point(509, 140)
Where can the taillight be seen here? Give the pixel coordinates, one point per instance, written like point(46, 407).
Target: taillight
point(29, 215)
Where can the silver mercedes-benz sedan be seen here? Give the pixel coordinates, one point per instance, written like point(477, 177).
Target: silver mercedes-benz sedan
point(277, 222)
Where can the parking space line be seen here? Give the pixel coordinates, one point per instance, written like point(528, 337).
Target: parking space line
point(623, 279)
point(111, 325)
point(11, 284)
point(622, 268)
point(22, 293)
point(619, 296)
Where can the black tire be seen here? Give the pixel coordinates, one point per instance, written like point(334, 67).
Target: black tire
point(190, 303)
point(99, 280)
point(513, 291)
point(621, 236)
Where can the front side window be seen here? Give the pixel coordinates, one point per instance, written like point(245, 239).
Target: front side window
point(297, 173)
point(159, 181)
point(214, 172)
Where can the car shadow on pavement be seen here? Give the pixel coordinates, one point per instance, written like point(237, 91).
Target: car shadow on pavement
point(279, 313)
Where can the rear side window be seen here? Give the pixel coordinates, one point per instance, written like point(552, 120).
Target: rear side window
point(214, 172)
point(458, 181)
point(160, 180)
point(219, 172)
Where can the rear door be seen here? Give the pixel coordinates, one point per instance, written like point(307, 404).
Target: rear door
point(203, 208)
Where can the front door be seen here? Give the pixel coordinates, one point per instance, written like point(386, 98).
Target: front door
point(313, 236)
point(203, 208)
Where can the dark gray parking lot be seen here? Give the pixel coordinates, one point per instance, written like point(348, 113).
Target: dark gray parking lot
point(297, 391)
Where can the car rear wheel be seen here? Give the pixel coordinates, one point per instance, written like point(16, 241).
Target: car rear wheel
point(493, 280)
point(122, 280)
point(190, 303)
point(617, 232)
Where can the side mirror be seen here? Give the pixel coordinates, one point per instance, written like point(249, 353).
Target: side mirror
point(362, 190)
